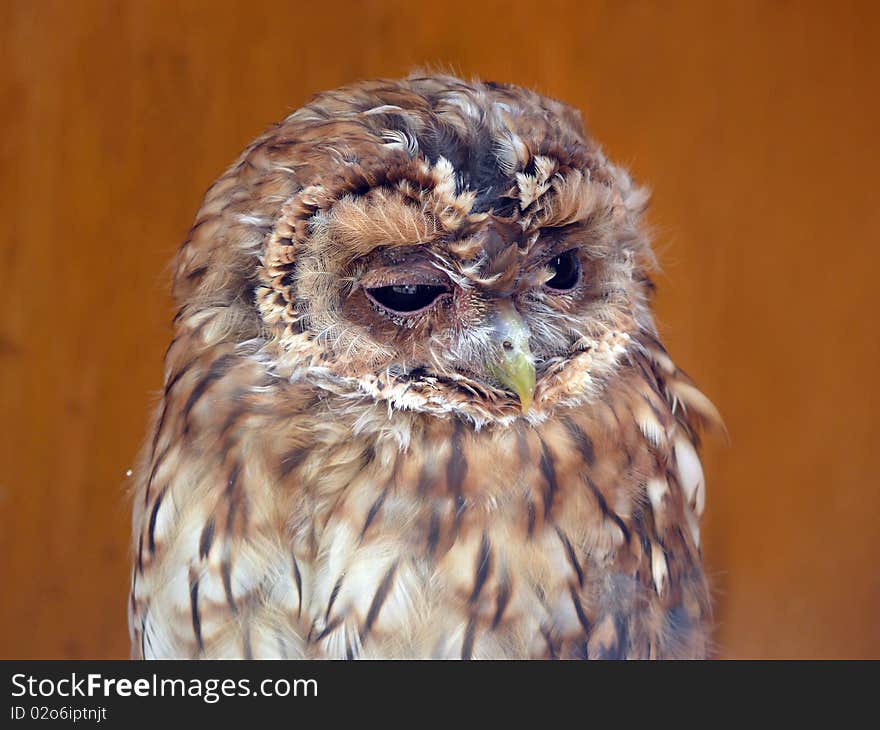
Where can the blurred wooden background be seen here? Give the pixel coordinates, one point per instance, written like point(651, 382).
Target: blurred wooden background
point(756, 125)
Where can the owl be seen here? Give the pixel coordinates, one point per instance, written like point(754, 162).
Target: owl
point(415, 405)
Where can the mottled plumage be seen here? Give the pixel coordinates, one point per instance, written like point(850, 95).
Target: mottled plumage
point(336, 470)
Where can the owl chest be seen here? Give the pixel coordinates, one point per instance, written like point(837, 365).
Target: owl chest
point(497, 544)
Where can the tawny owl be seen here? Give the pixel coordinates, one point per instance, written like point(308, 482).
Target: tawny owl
point(416, 405)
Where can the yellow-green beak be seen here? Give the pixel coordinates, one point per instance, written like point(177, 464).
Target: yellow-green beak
point(512, 363)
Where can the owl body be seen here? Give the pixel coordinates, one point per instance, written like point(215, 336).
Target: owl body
point(416, 405)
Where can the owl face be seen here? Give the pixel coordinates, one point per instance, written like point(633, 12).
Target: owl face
point(466, 250)
point(455, 320)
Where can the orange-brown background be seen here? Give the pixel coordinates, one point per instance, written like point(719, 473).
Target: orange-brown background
point(755, 124)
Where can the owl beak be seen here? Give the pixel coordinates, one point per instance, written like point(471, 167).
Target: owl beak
point(513, 364)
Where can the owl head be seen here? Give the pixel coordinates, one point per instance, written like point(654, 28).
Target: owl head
point(439, 246)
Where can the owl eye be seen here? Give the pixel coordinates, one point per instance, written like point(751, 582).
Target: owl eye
point(566, 271)
point(406, 298)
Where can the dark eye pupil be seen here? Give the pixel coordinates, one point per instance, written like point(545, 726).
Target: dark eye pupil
point(405, 297)
point(566, 268)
